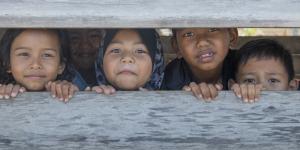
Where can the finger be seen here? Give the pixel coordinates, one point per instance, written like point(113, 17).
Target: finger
point(143, 89)
point(59, 93)
point(196, 90)
point(237, 90)
point(244, 93)
point(106, 89)
point(213, 91)
point(251, 92)
point(112, 89)
point(205, 91)
point(73, 89)
point(219, 87)
point(22, 89)
point(8, 91)
point(53, 89)
point(2, 90)
point(87, 89)
point(65, 91)
point(186, 88)
point(15, 90)
point(97, 89)
point(258, 89)
point(48, 86)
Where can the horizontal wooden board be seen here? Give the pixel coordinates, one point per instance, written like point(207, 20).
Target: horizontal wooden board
point(150, 120)
point(146, 13)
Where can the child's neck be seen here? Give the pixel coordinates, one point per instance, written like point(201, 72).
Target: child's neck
point(208, 76)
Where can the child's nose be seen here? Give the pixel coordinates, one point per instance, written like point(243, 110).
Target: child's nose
point(202, 41)
point(36, 64)
point(127, 59)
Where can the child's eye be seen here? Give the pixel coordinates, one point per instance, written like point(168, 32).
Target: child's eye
point(48, 55)
point(273, 81)
point(188, 34)
point(23, 54)
point(213, 29)
point(249, 81)
point(140, 51)
point(116, 50)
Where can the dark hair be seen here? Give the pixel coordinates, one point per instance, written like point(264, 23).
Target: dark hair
point(264, 49)
point(5, 46)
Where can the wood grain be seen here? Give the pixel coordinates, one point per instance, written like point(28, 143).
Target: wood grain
point(150, 120)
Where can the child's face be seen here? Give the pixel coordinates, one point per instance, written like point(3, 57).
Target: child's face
point(84, 44)
point(127, 64)
point(35, 58)
point(269, 72)
point(205, 49)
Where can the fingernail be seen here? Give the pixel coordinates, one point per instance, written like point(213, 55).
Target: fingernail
point(6, 97)
point(70, 96)
point(256, 99)
point(239, 96)
point(13, 94)
point(1, 97)
point(209, 99)
point(200, 96)
point(61, 99)
point(53, 96)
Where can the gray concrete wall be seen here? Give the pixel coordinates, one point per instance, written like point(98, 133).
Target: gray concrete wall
point(150, 120)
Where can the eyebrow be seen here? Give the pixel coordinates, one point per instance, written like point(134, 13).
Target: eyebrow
point(27, 48)
point(20, 48)
point(121, 42)
point(269, 73)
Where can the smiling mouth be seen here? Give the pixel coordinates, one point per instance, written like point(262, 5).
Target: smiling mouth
point(34, 77)
point(206, 56)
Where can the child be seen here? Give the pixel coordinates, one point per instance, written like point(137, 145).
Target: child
point(130, 59)
point(84, 47)
point(35, 60)
point(204, 61)
point(262, 65)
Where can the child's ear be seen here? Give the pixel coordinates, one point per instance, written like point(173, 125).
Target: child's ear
point(230, 83)
point(175, 47)
point(293, 85)
point(233, 33)
point(61, 68)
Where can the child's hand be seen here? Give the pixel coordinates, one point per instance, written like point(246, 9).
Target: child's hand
point(249, 93)
point(143, 89)
point(104, 89)
point(203, 90)
point(63, 90)
point(10, 90)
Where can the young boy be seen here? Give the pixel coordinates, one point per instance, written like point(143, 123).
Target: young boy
point(204, 61)
point(262, 65)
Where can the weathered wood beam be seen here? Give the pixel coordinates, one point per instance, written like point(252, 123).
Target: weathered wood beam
point(149, 13)
point(150, 120)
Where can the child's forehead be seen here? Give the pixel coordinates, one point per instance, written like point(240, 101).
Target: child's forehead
point(37, 38)
point(265, 63)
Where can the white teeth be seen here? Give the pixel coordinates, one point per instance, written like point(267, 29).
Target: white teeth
point(207, 54)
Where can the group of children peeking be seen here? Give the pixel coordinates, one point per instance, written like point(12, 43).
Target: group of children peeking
point(132, 59)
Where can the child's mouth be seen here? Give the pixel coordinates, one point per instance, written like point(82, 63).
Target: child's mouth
point(35, 77)
point(206, 56)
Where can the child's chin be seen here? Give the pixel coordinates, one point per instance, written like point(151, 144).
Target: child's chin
point(35, 88)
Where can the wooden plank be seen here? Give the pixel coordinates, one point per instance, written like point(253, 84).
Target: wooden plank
point(146, 13)
point(150, 120)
